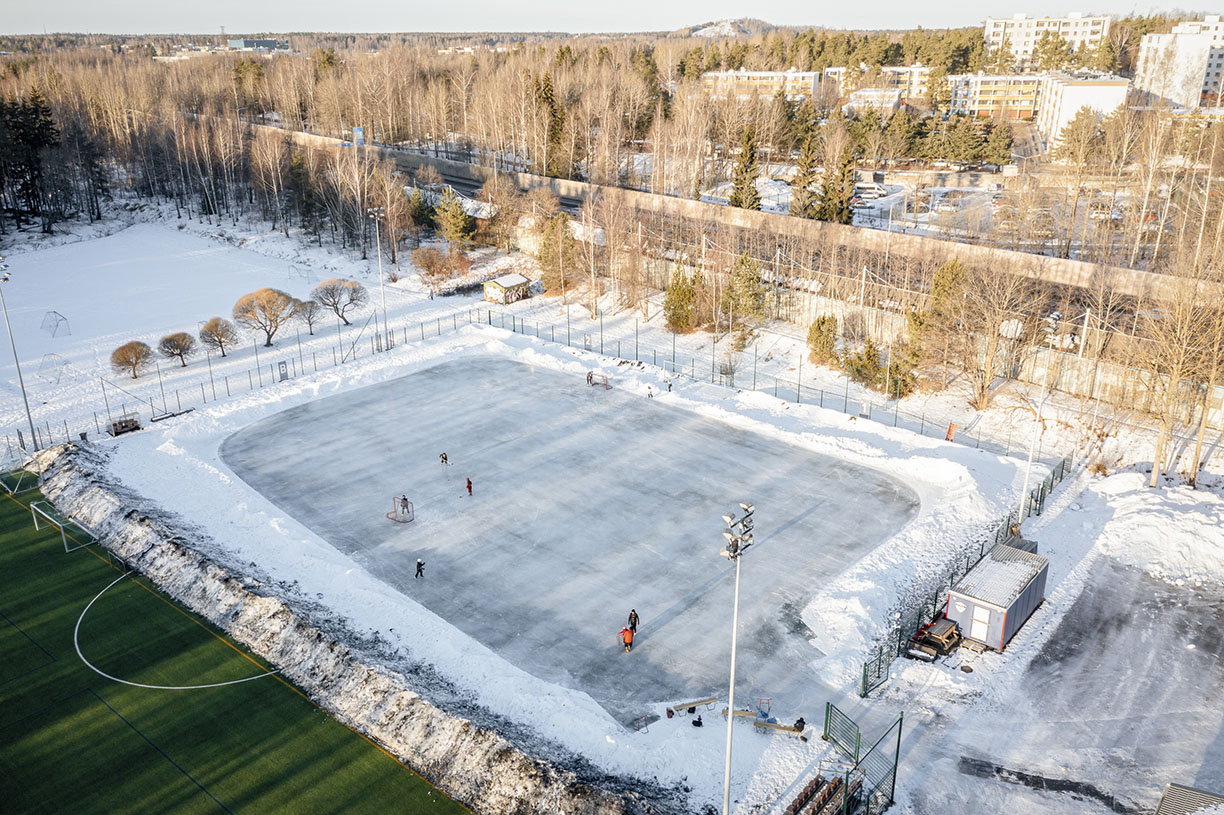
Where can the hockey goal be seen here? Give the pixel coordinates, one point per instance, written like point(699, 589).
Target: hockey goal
point(401, 510)
point(598, 380)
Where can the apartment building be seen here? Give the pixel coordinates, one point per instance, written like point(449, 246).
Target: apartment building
point(913, 81)
point(1182, 69)
point(1021, 33)
point(884, 101)
point(794, 85)
point(1063, 95)
point(995, 96)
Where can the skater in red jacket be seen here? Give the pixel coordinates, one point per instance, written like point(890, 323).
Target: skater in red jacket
point(469, 486)
point(626, 638)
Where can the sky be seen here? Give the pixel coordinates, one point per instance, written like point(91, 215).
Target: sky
point(252, 16)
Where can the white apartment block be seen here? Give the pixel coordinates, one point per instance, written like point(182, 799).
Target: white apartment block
point(912, 81)
point(1021, 33)
point(1063, 95)
point(884, 101)
point(995, 96)
point(1182, 69)
point(794, 85)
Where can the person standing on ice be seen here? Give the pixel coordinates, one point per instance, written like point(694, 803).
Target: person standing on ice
point(442, 458)
point(420, 568)
point(590, 377)
point(469, 486)
point(626, 638)
point(633, 620)
point(403, 504)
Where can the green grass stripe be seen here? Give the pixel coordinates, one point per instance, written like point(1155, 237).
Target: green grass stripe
point(71, 740)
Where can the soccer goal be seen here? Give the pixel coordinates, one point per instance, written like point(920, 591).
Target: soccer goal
point(73, 535)
point(15, 476)
point(401, 510)
point(56, 324)
point(598, 380)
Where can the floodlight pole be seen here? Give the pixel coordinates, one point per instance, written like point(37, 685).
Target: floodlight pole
point(376, 213)
point(739, 538)
point(1029, 468)
point(17, 362)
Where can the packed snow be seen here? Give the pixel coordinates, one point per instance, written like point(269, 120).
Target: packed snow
point(1129, 626)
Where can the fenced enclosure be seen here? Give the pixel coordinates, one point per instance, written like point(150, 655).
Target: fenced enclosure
point(868, 778)
point(923, 602)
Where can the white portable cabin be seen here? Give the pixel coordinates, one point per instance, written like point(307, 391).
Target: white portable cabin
point(996, 597)
point(508, 288)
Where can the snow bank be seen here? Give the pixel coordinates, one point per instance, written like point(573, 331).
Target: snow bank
point(336, 667)
point(1175, 534)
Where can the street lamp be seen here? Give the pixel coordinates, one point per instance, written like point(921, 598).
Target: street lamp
point(739, 537)
point(376, 214)
point(20, 381)
point(1037, 427)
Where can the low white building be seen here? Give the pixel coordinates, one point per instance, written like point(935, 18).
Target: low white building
point(884, 101)
point(1062, 95)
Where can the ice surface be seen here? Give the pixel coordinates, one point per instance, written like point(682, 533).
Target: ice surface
point(586, 503)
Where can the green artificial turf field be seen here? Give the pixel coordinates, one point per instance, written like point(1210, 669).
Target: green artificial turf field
point(74, 741)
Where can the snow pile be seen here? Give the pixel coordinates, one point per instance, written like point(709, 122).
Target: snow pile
point(1175, 533)
point(336, 667)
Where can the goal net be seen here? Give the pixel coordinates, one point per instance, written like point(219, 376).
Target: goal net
point(598, 380)
point(73, 535)
point(18, 470)
point(401, 510)
point(56, 324)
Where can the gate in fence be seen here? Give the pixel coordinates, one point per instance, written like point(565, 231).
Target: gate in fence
point(869, 779)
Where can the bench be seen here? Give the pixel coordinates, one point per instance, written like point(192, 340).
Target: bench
point(684, 706)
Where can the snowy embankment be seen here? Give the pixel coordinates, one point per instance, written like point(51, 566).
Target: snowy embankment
point(474, 764)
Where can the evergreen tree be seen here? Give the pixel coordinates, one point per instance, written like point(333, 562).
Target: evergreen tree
point(837, 190)
point(804, 195)
point(1051, 52)
point(744, 192)
point(964, 141)
point(822, 340)
point(998, 147)
point(864, 365)
point(680, 303)
point(558, 255)
point(305, 198)
point(454, 224)
point(744, 298)
point(421, 213)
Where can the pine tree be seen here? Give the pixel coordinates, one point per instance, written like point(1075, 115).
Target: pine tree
point(744, 192)
point(964, 141)
point(558, 255)
point(804, 195)
point(998, 147)
point(1051, 52)
point(421, 213)
point(305, 198)
point(822, 340)
point(680, 303)
point(744, 298)
point(837, 190)
point(454, 224)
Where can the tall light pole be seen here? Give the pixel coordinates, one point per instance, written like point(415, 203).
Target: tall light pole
point(1037, 427)
point(20, 381)
point(376, 214)
point(739, 537)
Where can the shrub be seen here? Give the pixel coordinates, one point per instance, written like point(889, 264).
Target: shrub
point(179, 344)
point(680, 304)
point(131, 357)
point(219, 334)
point(863, 366)
point(822, 340)
point(341, 296)
point(264, 310)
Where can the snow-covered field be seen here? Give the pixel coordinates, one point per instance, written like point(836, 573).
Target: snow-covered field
point(588, 502)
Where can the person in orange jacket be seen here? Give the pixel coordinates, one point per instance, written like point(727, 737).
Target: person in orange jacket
point(626, 638)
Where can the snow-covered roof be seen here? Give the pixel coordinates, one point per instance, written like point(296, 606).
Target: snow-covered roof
point(1000, 576)
point(507, 281)
point(1179, 800)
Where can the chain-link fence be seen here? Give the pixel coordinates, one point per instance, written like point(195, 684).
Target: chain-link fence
point(924, 602)
point(867, 783)
point(160, 395)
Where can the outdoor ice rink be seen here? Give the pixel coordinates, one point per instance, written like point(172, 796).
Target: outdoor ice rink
point(587, 502)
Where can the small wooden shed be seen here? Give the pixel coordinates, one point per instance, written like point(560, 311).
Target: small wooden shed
point(508, 288)
point(995, 597)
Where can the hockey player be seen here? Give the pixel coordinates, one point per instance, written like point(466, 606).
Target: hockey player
point(626, 638)
point(590, 377)
point(420, 572)
point(633, 620)
point(469, 486)
point(443, 459)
